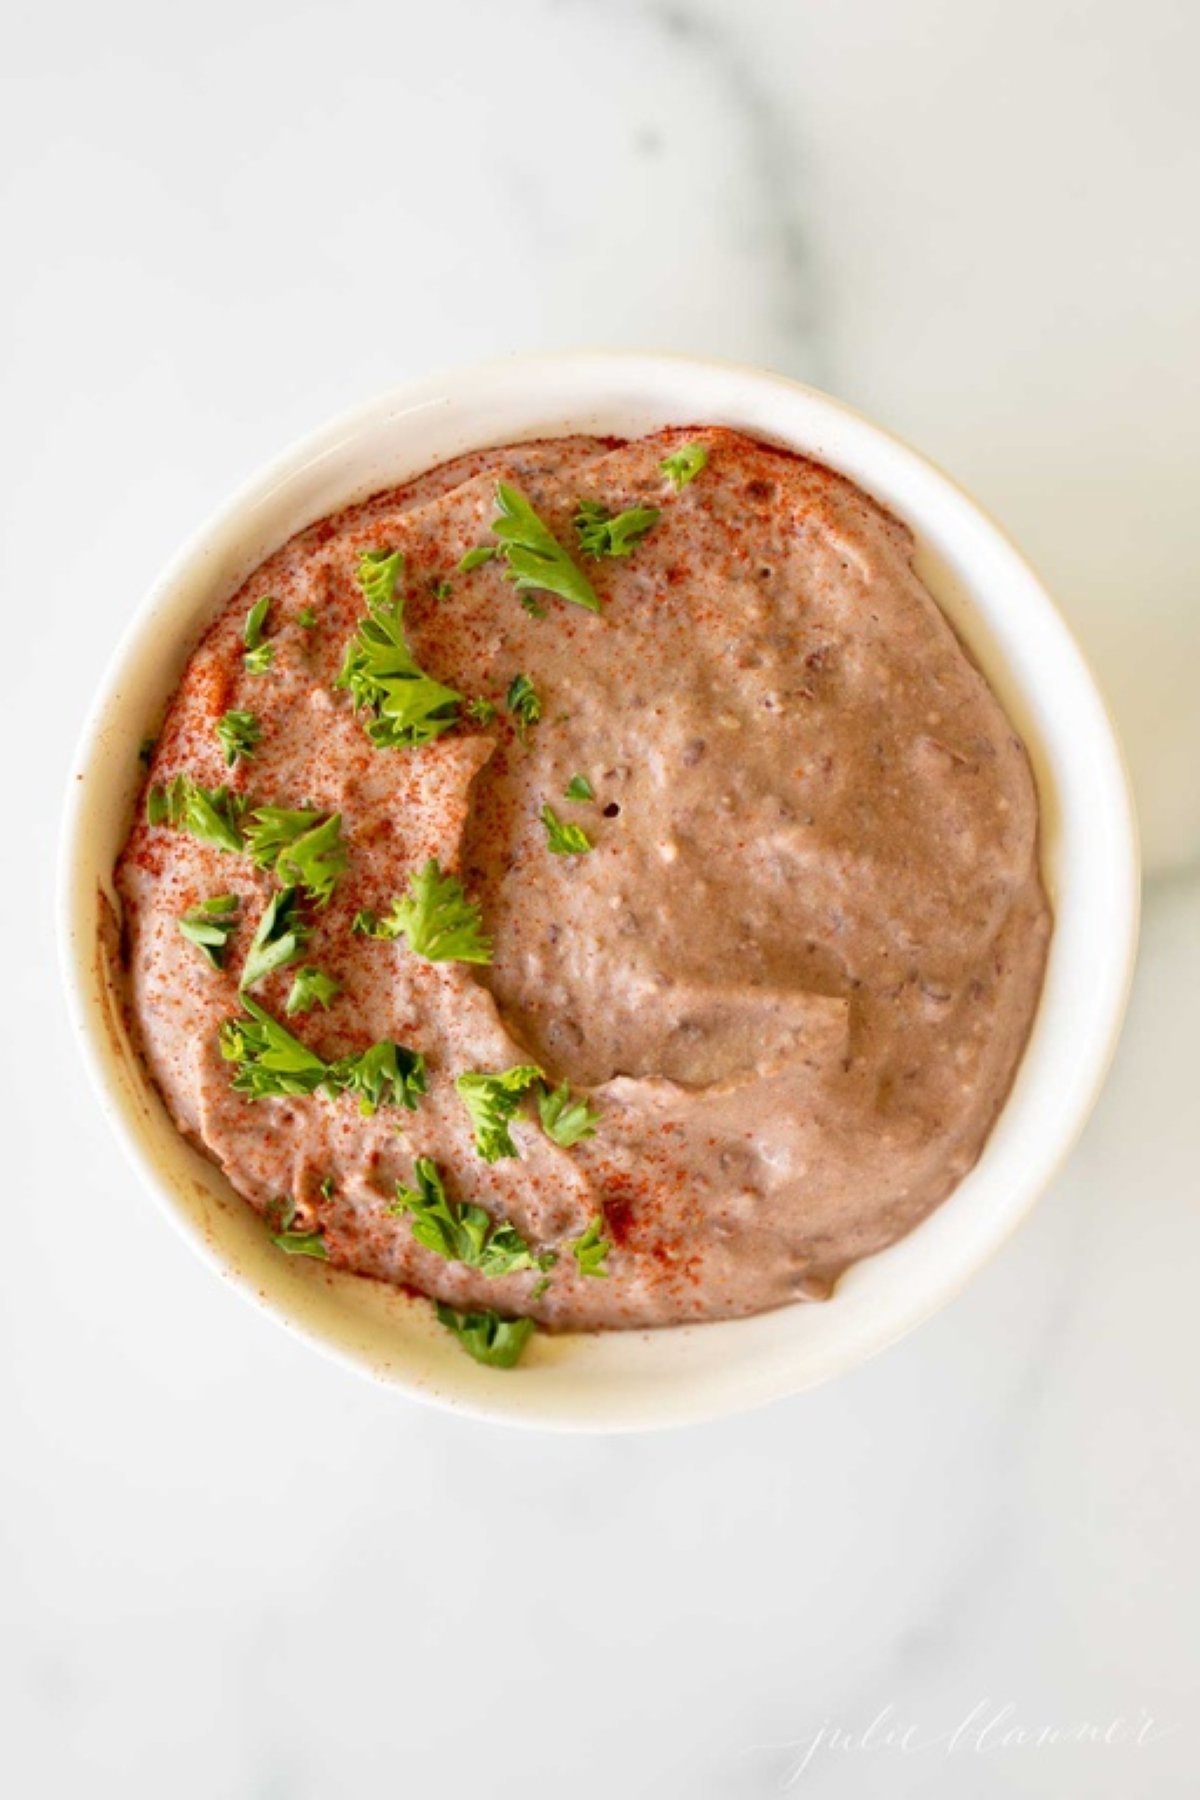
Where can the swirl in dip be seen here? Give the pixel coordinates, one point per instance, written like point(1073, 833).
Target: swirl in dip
point(780, 932)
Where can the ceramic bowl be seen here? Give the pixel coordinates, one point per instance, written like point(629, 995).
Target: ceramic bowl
point(635, 1379)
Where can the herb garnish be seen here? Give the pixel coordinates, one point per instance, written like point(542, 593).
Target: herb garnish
point(209, 925)
point(567, 1121)
point(562, 838)
point(279, 939)
point(579, 788)
point(481, 710)
point(306, 618)
point(486, 1336)
point(592, 1248)
point(436, 918)
point(311, 987)
point(441, 590)
point(239, 733)
point(462, 1233)
point(492, 1101)
point(272, 1062)
point(259, 654)
point(684, 464)
point(603, 533)
point(301, 847)
point(213, 815)
point(405, 706)
point(296, 1243)
point(534, 556)
point(387, 1074)
point(523, 703)
point(482, 553)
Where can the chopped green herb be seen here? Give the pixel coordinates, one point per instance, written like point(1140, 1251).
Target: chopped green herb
point(523, 703)
point(209, 925)
point(482, 553)
point(579, 788)
point(539, 1287)
point(270, 1060)
point(481, 710)
point(296, 1243)
point(301, 847)
point(311, 987)
point(326, 1189)
point(591, 1250)
point(279, 939)
point(567, 1121)
point(405, 706)
point(441, 590)
point(534, 556)
point(366, 923)
point(564, 839)
point(438, 920)
point(461, 1233)
point(306, 617)
point(239, 733)
point(259, 654)
point(486, 1336)
point(213, 815)
point(532, 605)
point(606, 534)
point(684, 465)
point(385, 1075)
point(492, 1101)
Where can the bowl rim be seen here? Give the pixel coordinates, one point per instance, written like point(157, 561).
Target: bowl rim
point(590, 375)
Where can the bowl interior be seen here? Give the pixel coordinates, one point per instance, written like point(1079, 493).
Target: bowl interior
point(627, 1380)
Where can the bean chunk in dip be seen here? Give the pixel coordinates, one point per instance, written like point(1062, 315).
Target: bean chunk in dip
point(590, 885)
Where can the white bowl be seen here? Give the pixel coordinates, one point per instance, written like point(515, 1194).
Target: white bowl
point(636, 1379)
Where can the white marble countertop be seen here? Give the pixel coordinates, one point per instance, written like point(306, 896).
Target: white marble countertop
point(232, 1569)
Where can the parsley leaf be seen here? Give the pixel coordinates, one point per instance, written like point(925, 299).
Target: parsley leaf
point(607, 534)
point(385, 1075)
point(486, 1336)
point(565, 1120)
point(482, 553)
point(684, 464)
point(523, 703)
point(279, 939)
point(438, 920)
point(239, 733)
point(213, 815)
point(208, 926)
point(271, 1061)
point(579, 788)
point(534, 556)
point(259, 654)
point(306, 618)
point(591, 1250)
point(296, 1243)
point(564, 839)
point(492, 1100)
point(405, 706)
point(300, 846)
point(311, 987)
point(441, 590)
point(461, 1233)
point(481, 710)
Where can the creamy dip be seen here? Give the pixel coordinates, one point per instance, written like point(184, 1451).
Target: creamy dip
point(794, 973)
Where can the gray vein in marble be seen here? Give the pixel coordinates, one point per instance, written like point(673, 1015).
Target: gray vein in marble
point(778, 228)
